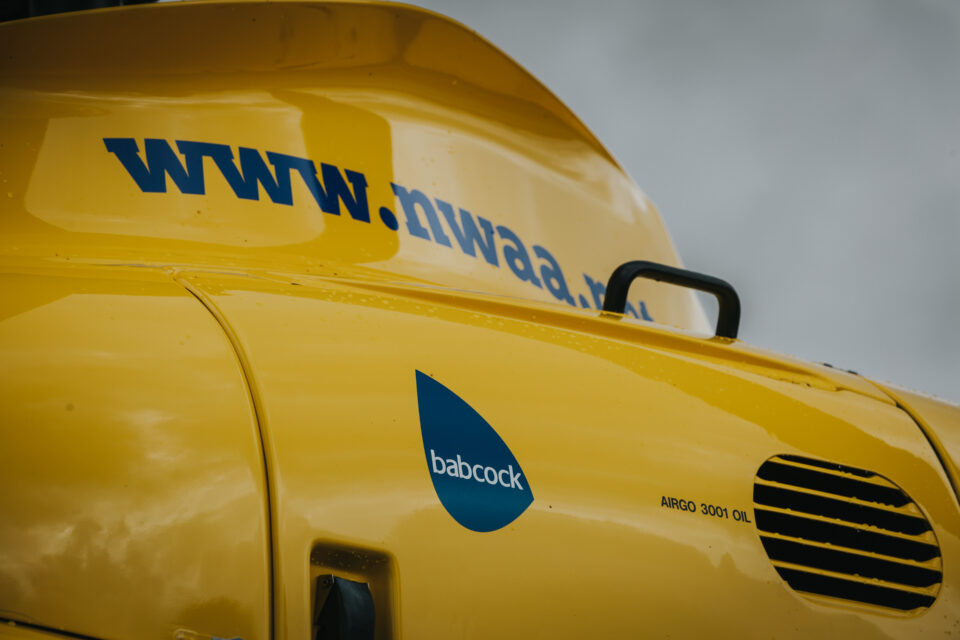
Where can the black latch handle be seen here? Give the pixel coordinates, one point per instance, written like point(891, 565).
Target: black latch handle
point(728, 318)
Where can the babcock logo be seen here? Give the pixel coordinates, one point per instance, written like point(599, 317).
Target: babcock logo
point(474, 473)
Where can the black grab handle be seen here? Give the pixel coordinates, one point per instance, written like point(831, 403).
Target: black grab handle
point(728, 318)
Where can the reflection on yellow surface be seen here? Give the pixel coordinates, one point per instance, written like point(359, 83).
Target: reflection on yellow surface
point(132, 504)
point(605, 422)
point(357, 88)
point(222, 259)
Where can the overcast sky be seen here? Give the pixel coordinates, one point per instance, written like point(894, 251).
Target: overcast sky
point(808, 152)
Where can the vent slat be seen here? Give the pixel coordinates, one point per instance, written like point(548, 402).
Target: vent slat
point(839, 509)
point(844, 536)
point(926, 537)
point(934, 564)
point(923, 591)
point(909, 509)
point(844, 533)
point(828, 483)
point(857, 591)
point(849, 563)
point(833, 466)
point(828, 469)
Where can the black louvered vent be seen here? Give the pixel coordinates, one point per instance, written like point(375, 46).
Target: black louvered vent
point(845, 533)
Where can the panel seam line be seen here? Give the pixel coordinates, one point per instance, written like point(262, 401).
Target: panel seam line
point(260, 418)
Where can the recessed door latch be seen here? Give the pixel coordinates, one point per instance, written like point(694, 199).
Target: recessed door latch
point(343, 610)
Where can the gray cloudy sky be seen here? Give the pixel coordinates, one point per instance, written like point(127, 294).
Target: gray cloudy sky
point(808, 152)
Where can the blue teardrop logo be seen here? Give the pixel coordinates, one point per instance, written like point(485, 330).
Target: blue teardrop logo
point(474, 473)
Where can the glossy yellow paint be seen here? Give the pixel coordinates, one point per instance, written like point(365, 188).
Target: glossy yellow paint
point(940, 422)
point(359, 86)
point(208, 400)
point(133, 494)
point(13, 631)
point(605, 423)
